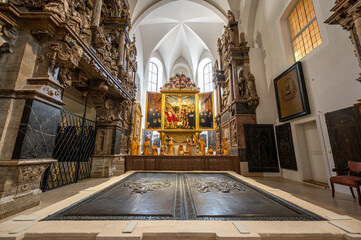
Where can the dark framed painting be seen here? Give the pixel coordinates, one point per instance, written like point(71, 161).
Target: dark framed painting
point(286, 152)
point(291, 94)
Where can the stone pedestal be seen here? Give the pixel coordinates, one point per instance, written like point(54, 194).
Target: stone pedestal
point(104, 165)
point(231, 126)
point(19, 184)
point(110, 143)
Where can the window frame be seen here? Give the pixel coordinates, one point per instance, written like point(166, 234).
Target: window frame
point(209, 78)
point(153, 76)
point(302, 30)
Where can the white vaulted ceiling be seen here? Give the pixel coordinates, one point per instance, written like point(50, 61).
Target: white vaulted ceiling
point(179, 31)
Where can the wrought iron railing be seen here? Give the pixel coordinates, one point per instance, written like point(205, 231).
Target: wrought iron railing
point(74, 147)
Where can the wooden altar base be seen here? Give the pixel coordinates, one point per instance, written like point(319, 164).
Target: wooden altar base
point(182, 163)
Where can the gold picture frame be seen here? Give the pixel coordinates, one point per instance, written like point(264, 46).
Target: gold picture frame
point(153, 116)
point(206, 111)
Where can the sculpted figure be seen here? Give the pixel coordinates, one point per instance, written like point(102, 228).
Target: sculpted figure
point(85, 33)
point(134, 147)
point(219, 44)
point(59, 7)
point(189, 147)
point(215, 67)
point(225, 147)
point(162, 152)
point(231, 17)
point(75, 21)
point(154, 150)
point(210, 151)
point(180, 150)
point(171, 147)
point(251, 86)
point(146, 150)
point(201, 146)
point(199, 153)
point(241, 84)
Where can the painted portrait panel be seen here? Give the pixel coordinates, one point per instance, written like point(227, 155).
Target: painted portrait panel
point(180, 112)
point(153, 117)
point(206, 113)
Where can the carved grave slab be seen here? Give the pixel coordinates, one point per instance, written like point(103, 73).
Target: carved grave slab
point(183, 196)
point(286, 152)
point(261, 148)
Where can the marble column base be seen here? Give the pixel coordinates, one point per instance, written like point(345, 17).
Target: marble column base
point(20, 184)
point(104, 166)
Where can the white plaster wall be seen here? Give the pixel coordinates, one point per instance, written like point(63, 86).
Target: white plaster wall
point(330, 71)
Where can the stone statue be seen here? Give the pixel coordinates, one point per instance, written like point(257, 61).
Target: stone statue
point(230, 17)
point(58, 7)
point(219, 44)
point(154, 150)
point(189, 147)
point(201, 146)
point(215, 67)
point(225, 147)
point(251, 86)
point(171, 147)
point(210, 151)
point(146, 150)
point(180, 150)
point(241, 84)
point(225, 96)
point(134, 147)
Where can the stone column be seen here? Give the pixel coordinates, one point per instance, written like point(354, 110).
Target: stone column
point(107, 150)
point(231, 83)
point(357, 21)
point(121, 47)
point(30, 103)
point(235, 81)
point(97, 11)
point(111, 135)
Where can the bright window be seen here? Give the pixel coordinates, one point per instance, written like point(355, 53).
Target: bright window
point(207, 78)
point(153, 77)
point(305, 34)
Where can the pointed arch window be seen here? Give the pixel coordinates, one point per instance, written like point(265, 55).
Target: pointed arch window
point(207, 78)
point(153, 77)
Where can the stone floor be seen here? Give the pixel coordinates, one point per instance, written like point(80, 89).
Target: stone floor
point(312, 198)
point(342, 204)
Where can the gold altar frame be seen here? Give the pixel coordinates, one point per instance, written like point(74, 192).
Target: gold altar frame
point(197, 129)
point(196, 110)
point(146, 112)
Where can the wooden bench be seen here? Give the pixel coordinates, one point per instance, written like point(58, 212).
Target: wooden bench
point(348, 180)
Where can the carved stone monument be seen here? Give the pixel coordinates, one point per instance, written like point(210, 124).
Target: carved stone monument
point(236, 92)
point(52, 45)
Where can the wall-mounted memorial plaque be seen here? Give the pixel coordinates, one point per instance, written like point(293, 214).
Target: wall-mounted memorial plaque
point(285, 147)
point(261, 148)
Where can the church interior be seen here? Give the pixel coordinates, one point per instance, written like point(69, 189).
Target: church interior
point(180, 119)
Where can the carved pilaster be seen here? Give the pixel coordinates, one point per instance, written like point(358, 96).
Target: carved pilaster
point(348, 15)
